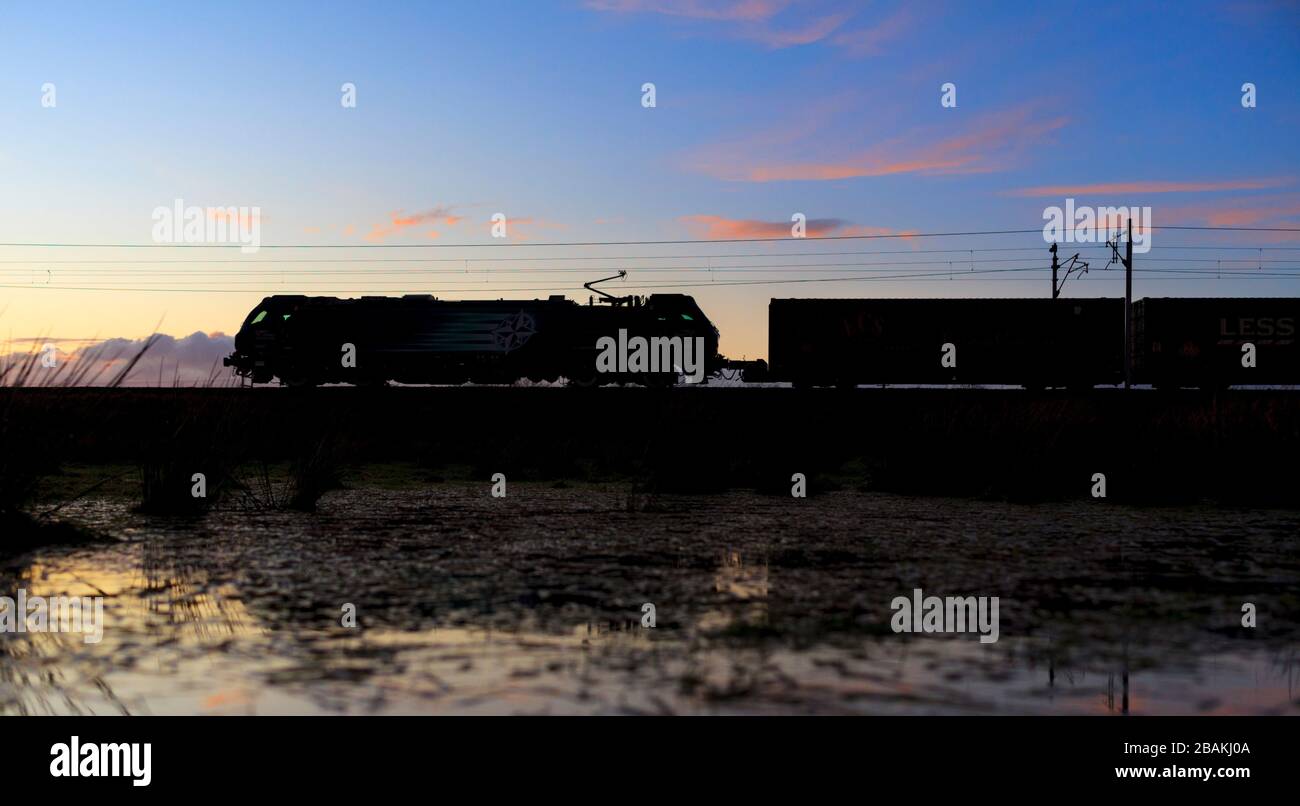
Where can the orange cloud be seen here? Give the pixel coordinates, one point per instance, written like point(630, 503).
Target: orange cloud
point(713, 227)
point(1153, 187)
point(397, 222)
point(716, 227)
point(990, 145)
point(241, 216)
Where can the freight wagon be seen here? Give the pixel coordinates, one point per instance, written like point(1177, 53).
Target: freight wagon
point(1031, 342)
point(1199, 341)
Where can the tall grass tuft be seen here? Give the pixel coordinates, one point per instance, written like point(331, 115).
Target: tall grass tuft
point(190, 462)
point(33, 448)
point(314, 473)
point(316, 469)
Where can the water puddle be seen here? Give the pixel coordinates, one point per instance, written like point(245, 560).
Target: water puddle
point(466, 604)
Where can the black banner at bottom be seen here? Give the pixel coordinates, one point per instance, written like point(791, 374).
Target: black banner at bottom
point(738, 755)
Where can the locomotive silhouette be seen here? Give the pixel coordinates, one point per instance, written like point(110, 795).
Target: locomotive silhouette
point(1036, 343)
point(418, 338)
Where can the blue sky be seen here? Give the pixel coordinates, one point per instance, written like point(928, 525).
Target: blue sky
point(764, 108)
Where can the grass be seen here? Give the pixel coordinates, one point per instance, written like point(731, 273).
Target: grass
point(33, 447)
point(166, 451)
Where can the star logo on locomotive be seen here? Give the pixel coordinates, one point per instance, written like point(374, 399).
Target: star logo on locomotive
point(514, 331)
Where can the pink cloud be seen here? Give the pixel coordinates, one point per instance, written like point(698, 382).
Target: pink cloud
point(870, 41)
point(1152, 187)
point(814, 31)
point(991, 143)
point(1276, 210)
point(168, 360)
point(731, 10)
point(761, 21)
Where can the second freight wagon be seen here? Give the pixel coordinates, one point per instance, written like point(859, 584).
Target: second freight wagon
point(1029, 342)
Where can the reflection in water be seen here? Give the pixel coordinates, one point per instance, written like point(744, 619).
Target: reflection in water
point(461, 613)
point(150, 602)
point(182, 598)
point(743, 594)
point(1110, 693)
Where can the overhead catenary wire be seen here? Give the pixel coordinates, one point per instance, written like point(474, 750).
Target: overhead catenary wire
point(759, 267)
point(1188, 274)
point(538, 258)
point(638, 287)
point(90, 268)
point(738, 269)
point(523, 244)
point(517, 244)
point(111, 275)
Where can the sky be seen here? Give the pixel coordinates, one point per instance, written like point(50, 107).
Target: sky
point(762, 110)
